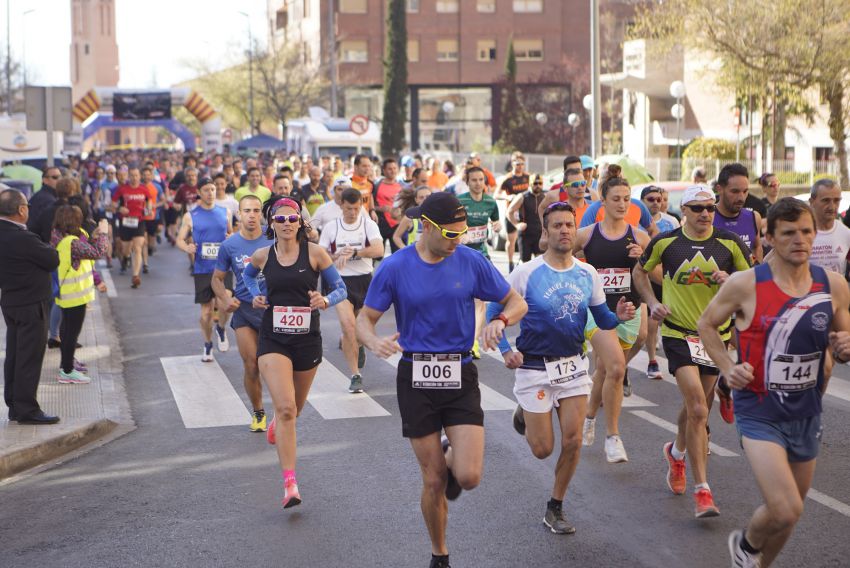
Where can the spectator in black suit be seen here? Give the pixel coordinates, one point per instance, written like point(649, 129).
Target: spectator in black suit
point(43, 198)
point(25, 298)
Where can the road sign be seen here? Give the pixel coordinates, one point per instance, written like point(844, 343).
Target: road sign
point(36, 106)
point(359, 124)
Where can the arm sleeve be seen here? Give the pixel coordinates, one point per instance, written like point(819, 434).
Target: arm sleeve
point(333, 280)
point(249, 277)
point(604, 317)
point(645, 216)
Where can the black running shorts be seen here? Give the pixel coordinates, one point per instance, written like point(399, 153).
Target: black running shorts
point(678, 355)
point(305, 351)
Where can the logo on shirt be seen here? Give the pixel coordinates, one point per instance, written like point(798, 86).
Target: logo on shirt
point(820, 321)
point(695, 276)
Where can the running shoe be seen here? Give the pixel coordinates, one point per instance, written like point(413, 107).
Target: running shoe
point(705, 506)
point(221, 337)
point(510, 267)
point(676, 479)
point(291, 496)
point(123, 264)
point(476, 350)
point(258, 422)
point(627, 384)
point(439, 562)
point(73, 378)
point(588, 433)
point(653, 371)
point(614, 450)
point(740, 557)
point(145, 268)
point(361, 357)
point(270, 433)
point(557, 522)
point(519, 420)
point(727, 408)
point(53, 343)
point(80, 366)
point(356, 384)
point(207, 355)
point(136, 282)
point(453, 488)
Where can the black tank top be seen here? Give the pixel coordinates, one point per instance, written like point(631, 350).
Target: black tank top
point(606, 256)
point(288, 287)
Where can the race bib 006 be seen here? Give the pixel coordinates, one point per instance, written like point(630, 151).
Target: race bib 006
point(436, 370)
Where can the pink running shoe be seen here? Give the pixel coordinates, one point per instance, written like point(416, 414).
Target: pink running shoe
point(270, 433)
point(291, 496)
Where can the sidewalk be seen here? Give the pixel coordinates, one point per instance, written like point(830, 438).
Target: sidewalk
point(88, 412)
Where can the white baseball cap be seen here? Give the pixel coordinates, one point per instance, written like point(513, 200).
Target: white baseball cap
point(699, 192)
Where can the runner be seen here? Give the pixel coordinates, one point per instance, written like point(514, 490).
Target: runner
point(832, 242)
point(290, 343)
point(551, 367)
point(574, 193)
point(432, 286)
point(514, 184)
point(789, 314)
point(132, 200)
point(733, 186)
point(253, 187)
point(223, 199)
point(233, 256)
point(209, 225)
point(637, 216)
point(408, 230)
point(386, 190)
point(150, 216)
point(695, 259)
point(653, 197)
point(481, 211)
point(361, 180)
point(353, 241)
point(523, 210)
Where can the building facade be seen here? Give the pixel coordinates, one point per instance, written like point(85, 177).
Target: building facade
point(456, 57)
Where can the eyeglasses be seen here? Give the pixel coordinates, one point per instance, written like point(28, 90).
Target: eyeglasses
point(577, 184)
point(538, 183)
point(450, 235)
point(701, 208)
point(654, 199)
point(293, 218)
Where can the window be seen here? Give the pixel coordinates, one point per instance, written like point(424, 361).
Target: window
point(486, 49)
point(528, 49)
point(86, 49)
point(306, 13)
point(528, 5)
point(446, 50)
point(281, 18)
point(354, 51)
point(486, 6)
point(413, 50)
point(352, 6)
point(412, 6)
point(448, 6)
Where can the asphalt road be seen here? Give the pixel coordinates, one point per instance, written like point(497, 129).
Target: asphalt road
point(168, 495)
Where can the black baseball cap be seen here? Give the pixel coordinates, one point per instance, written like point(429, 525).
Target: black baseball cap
point(649, 189)
point(440, 207)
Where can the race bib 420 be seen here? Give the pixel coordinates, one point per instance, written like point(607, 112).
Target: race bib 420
point(291, 320)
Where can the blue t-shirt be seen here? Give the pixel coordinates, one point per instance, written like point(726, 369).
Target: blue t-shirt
point(234, 255)
point(209, 227)
point(558, 304)
point(434, 307)
point(589, 216)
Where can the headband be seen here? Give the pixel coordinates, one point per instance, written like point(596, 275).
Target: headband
point(285, 201)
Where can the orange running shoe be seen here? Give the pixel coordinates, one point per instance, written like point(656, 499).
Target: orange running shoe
point(705, 506)
point(676, 479)
point(270, 433)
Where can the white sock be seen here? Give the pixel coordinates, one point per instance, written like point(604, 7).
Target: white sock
point(677, 455)
point(699, 486)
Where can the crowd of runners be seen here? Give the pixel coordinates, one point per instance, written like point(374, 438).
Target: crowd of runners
point(751, 303)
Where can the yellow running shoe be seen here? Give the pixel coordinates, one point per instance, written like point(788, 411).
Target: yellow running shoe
point(476, 351)
point(258, 422)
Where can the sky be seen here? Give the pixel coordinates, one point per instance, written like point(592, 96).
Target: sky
point(155, 37)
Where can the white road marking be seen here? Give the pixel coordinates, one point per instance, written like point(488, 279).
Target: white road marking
point(204, 395)
point(330, 397)
point(828, 501)
point(670, 427)
point(110, 285)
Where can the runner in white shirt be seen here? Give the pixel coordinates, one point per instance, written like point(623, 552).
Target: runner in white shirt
point(353, 240)
point(223, 199)
point(832, 243)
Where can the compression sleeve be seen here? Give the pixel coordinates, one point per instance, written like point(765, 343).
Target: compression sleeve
point(338, 292)
point(494, 309)
point(249, 277)
point(604, 317)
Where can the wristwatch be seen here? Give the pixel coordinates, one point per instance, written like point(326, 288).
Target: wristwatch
point(327, 302)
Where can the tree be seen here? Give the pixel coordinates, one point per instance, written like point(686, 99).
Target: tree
point(801, 47)
point(395, 80)
point(15, 82)
point(512, 118)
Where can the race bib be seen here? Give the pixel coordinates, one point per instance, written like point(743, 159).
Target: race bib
point(436, 370)
point(356, 245)
point(563, 370)
point(698, 354)
point(209, 251)
point(291, 320)
point(616, 280)
point(130, 222)
point(792, 372)
point(477, 235)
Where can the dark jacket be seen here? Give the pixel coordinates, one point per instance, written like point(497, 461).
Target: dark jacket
point(39, 202)
point(44, 226)
point(26, 264)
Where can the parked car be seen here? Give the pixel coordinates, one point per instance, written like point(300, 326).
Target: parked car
point(674, 189)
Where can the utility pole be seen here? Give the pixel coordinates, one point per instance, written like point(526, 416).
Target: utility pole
point(250, 73)
point(8, 58)
point(332, 59)
point(596, 106)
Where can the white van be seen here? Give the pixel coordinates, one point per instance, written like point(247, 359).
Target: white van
point(320, 135)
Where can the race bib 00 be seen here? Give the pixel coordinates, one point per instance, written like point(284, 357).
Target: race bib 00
point(698, 353)
point(616, 280)
point(790, 373)
point(291, 320)
point(436, 370)
point(130, 222)
point(562, 370)
point(209, 251)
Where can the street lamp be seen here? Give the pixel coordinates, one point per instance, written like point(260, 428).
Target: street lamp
point(677, 91)
point(587, 103)
point(250, 72)
point(24, 43)
point(541, 118)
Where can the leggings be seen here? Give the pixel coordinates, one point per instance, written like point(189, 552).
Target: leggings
point(55, 321)
point(72, 324)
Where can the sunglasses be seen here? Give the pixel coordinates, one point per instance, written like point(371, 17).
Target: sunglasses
point(450, 235)
point(293, 218)
point(701, 208)
point(538, 183)
point(654, 199)
point(563, 205)
point(577, 184)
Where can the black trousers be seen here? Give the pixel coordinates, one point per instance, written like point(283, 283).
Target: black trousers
point(69, 331)
point(26, 339)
